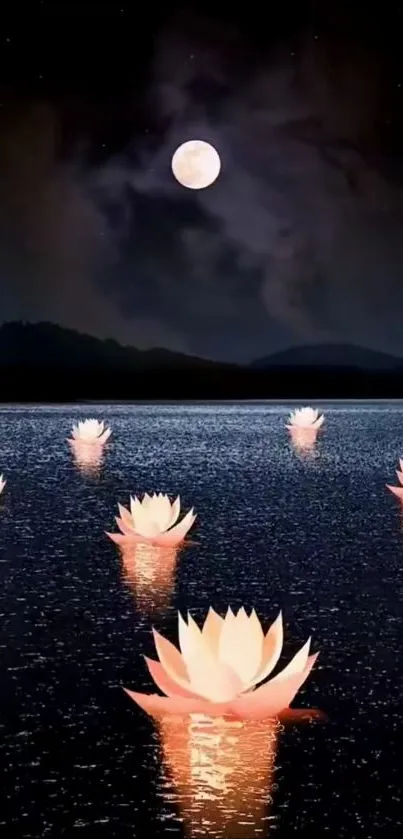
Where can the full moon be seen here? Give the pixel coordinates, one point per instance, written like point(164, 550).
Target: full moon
point(196, 164)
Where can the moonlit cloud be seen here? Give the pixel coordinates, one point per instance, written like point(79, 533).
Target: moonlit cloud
point(298, 240)
point(297, 195)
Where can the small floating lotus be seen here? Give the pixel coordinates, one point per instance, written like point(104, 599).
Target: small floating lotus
point(398, 491)
point(153, 520)
point(218, 668)
point(305, 418)
point(303, 425)
point(91, 432)
point(2, 483)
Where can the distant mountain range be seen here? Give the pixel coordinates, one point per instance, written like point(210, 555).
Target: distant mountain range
point(45, 362)
point(330, 355)
point(46, 344)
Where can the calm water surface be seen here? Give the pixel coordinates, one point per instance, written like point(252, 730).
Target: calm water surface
point(316, 534)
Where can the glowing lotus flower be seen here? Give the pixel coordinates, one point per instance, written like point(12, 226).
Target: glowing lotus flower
point(2, 483)
point(398, 490)
point(91, 431)
point(308, 418)
point(153, 520)
point(219, 667)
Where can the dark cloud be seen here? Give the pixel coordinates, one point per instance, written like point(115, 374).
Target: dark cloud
point(297, 241)
point(56, 242)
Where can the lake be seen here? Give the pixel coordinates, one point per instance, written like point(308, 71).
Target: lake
point(314, 533)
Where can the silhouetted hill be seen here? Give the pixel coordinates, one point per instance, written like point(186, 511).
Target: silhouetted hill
point(46, 344)
point(43, 362)
point(329, 355)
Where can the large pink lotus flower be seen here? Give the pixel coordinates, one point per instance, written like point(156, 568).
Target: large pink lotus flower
point(398, 491)
point(91, 431)
point(307, 418)
point(153, 521)
point(2, 483)
point(218, 668)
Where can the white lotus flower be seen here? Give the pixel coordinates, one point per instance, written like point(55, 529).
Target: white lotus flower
point(219, 667)
point(152, 520)
point(2, 483)
point(305, 418)
point(91, 431)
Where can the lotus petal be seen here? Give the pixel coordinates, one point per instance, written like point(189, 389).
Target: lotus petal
point(125, 517)
point(398, 491)
point(172, 705)
point(297, 663)
point(161, 512)
point(127, 531)
point(272, 646)
point(175, 511)
point(164, 682)
point(212, 629)
point(319, 422)
point(212, 679)
point(241, 644)
point(144, 525)
point(171, 661)
point(177, 533)
point(135, 503)
point(191, 641)
point(400, 476)
point(273, 697)
point(209, 677)
point(117, 538)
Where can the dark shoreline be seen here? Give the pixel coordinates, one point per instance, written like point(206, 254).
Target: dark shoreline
point(60, 384)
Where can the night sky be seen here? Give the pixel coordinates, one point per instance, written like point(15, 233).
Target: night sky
point(300, 240)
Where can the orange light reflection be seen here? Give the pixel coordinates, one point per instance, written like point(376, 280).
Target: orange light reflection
point(87, 457)
point(149, 571)
point(303, 439)
point(220, 773)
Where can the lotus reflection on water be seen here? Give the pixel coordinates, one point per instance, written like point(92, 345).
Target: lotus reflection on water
point(88, 458)
point(220, 774)
point(303, 441)
point(149, 571)
point(398, 491)
point(218, 669)
point(153, 520)
point(2, 483)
